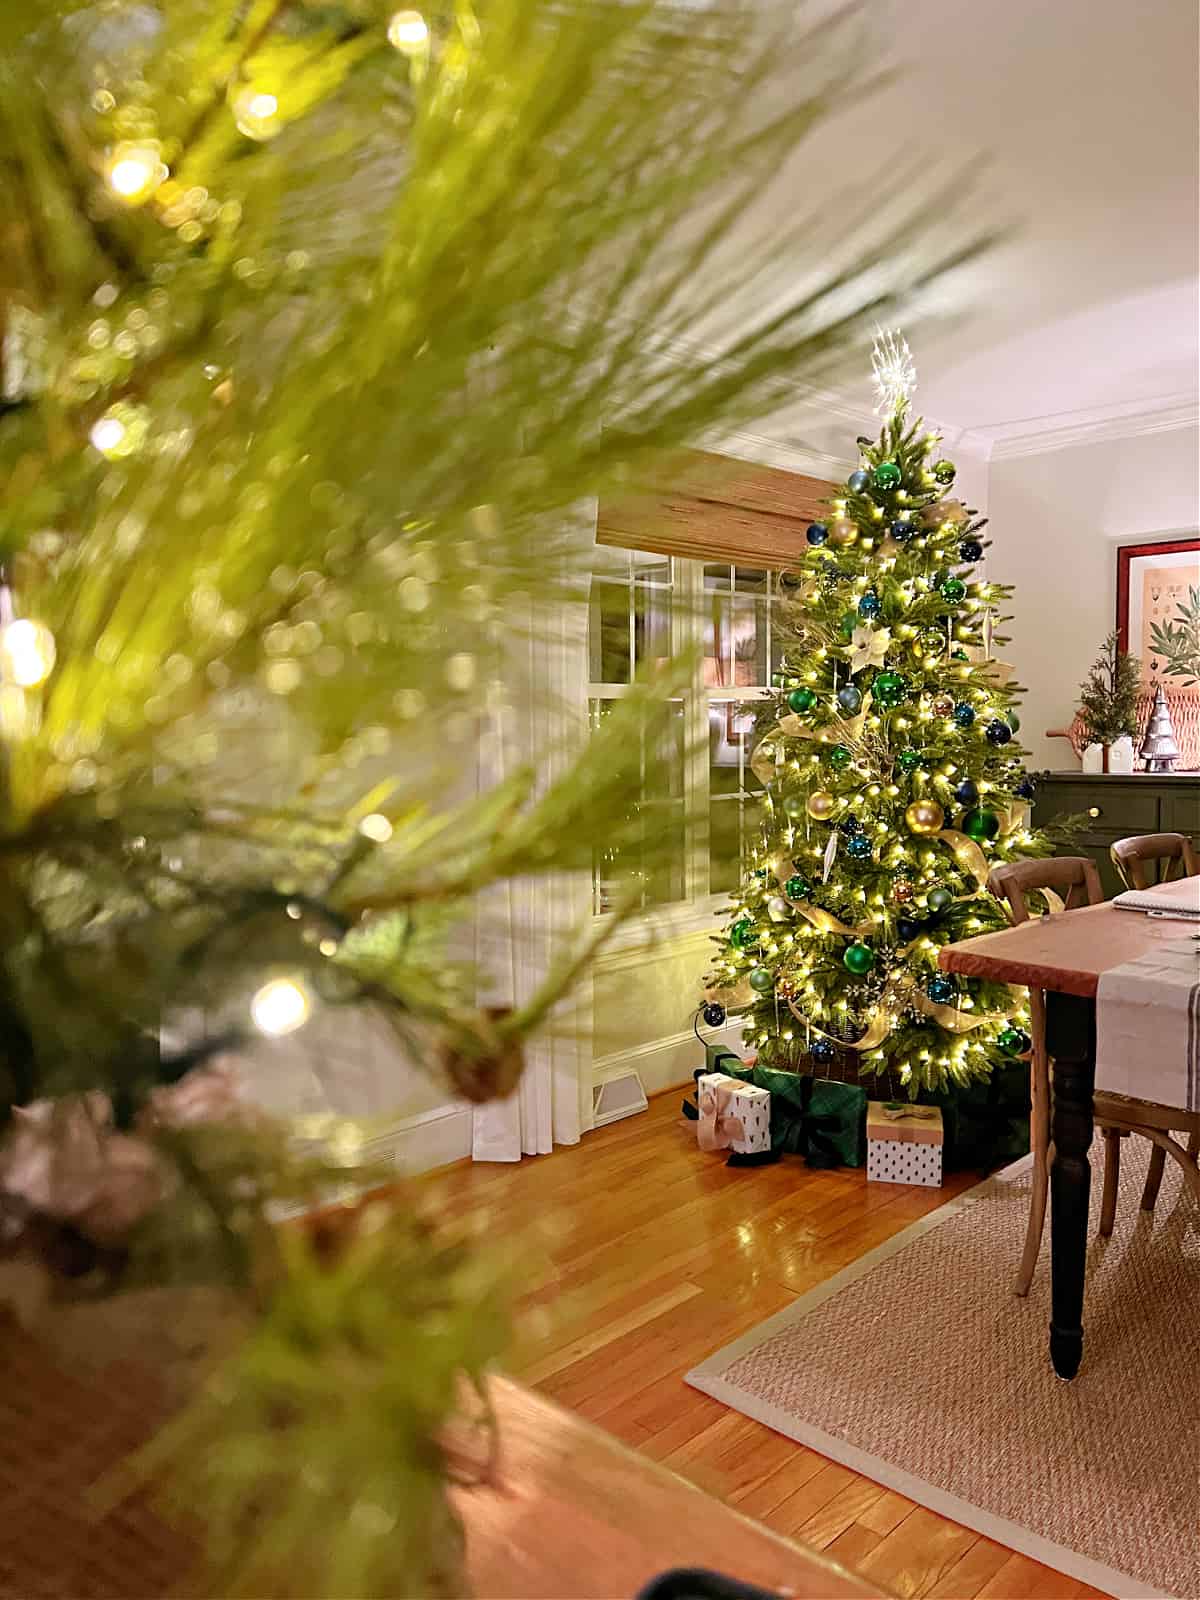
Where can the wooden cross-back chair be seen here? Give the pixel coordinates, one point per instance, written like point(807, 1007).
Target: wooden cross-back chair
point(1065, 882)
point(1167, 851)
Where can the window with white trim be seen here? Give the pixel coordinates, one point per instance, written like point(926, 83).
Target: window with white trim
point(647, 607)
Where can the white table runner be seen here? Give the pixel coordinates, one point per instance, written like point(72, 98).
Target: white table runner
point(1148, 1026)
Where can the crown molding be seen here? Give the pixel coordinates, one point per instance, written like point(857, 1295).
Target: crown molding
point(1035, 436)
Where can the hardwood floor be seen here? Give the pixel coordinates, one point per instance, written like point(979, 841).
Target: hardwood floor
point(645, 1257)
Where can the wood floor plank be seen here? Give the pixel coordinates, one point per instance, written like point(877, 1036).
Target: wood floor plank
point(644, 1256)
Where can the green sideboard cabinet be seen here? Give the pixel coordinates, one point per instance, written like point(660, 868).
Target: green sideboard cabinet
point(1114, 807)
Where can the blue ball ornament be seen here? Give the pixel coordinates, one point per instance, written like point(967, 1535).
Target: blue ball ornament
point(964, 714)
point(908, 928)
point(941, 989)
point(967, 792)
point(849, 698)
point(870, 605)
point(858, 481)
point(901, 531)
point(998, 733)
point(816, 533)
point(1026, 789)
point(821, 1052)
point(970, 550)
point(850, 825)
point(713, 1014)
point(858, 847)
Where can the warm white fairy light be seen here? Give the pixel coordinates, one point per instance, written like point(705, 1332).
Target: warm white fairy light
point(256, 112)
point(280, 1006)
point(27, 653)
point(376, 827)
point(408, 32)
point(134, 171)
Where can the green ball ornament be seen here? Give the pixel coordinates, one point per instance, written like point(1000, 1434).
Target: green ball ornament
point(743, 934)
point(908, 760)
point(1014, 721)
point(940, 899)
point(943, 472)
point(857, 958)
point(981, 825)
point(802, 700)
point(932, 641)
point(848, 624)
point(953, 590)
point(762, 981)
point(890, 689)
point(794, 806)
point(887, 475)
point(838, 757)
point(1014, 1041)
point(796, 888)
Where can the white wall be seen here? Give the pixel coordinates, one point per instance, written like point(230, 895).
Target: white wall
point(1056, 521)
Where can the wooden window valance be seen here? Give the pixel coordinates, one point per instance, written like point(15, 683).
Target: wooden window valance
point(719, 509)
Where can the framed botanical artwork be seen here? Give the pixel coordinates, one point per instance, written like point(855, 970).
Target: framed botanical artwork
point(1158, 610)
point(1158, 620)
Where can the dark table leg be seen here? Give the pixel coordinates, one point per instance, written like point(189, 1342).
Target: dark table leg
point(1071, 1043)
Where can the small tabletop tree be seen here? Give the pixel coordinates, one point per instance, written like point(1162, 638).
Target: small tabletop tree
point(1109, 694)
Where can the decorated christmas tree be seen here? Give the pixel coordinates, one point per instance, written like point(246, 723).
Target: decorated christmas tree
point(893, 784)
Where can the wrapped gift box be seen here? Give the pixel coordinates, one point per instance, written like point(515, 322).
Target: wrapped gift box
point(904, 1144)
point(733, 1115)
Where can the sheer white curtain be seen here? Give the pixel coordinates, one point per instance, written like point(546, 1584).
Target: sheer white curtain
point(523, 925)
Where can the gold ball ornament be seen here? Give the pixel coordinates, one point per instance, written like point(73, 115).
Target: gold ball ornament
point(842, 531)
point(932, 516)
point(924, 816)
point(820, 805)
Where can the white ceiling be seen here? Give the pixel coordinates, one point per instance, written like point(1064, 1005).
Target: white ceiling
point(1086, 113)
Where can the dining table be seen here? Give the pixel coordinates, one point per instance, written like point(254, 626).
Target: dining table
point(1065, 955)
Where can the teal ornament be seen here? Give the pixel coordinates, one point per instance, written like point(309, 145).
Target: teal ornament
point(964, 714)
point(981, 825)
point(941, 989)
point(858, 847)
point(998, 733)
point(870, 605)
point(743, 934)
point(838, 756)
point(1014, 1041)
point(762, 981)
point(890, 689)
point(953, 590)
point(908, 760)
point(858, 481)
point(794, 806)
point(943, 472)
point(796, 888)
point(857, 958)
point(887, 475)
point(940, 899)
point(849, 699)
point(821, 1052)
point(802, 700)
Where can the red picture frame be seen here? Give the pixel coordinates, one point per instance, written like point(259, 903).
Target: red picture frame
point(1126, 555)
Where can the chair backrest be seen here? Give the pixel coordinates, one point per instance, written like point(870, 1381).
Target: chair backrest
point(1131, 857)
point(1073, 879)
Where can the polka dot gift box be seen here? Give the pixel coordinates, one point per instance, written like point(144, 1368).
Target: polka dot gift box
point(904, 1144)
point(733, 1115)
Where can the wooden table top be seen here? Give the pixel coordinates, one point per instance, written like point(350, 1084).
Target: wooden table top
point(576, 1515)
point(1065, 953)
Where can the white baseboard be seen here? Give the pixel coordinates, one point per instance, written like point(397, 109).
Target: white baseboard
point(433, 1139)
point(666, 1063)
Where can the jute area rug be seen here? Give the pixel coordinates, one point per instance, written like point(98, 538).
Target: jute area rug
point(918, 1367)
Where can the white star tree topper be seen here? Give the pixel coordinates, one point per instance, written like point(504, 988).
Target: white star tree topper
point(895, 371)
